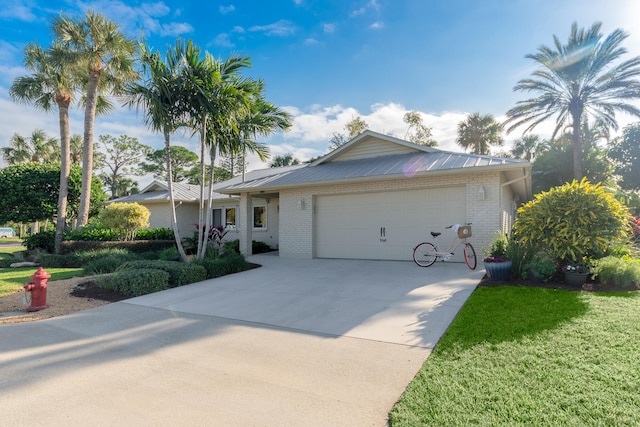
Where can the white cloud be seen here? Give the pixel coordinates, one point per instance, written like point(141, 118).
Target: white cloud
point(238, 29)
point(176, 29)
point(281, 28)
point(17, 10)
point(358, 12)
point(329, 28)
point(227, 9)
point(311, 41)
point(378, 25)
point(223, 40)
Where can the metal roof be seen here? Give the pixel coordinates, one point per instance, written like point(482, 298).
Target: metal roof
point(408, 164)
point(159, 192)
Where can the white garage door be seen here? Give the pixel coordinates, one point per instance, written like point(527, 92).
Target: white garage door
point(385, 225)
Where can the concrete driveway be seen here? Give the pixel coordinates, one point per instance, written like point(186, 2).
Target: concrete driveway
point(293, 343)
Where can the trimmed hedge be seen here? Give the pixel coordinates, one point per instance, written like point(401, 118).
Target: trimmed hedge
point(180, 274)
point(229, 263)
point(137, 282)
point(136, 246)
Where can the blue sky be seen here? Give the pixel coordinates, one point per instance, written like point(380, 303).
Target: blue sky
point(328, 61)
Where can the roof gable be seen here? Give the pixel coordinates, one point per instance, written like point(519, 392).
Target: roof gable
point(370, 144)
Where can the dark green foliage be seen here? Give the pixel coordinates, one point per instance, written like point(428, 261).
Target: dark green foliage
point(94, 232)
point(539, 268)
point(137, 282)
point(259, 247)
point(44, 240)
point(155, 234)
point(229, 263)
point(107, 263)
point(234, 246)
point(231, 246)
point(136, 246)
point(520, 254)
point(60, 261)
point(625, 153)
point(97, 232)
point(180, 273)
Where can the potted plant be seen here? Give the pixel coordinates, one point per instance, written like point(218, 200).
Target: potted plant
point(496, 264)
point(575, 274)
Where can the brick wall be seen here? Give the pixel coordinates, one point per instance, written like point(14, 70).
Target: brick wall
point(488, 216)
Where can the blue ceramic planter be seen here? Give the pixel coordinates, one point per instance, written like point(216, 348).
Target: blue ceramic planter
point(575, 279)
point(498, 271)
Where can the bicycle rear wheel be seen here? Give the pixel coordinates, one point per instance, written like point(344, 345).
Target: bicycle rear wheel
point(425, 254)
point(470, 256)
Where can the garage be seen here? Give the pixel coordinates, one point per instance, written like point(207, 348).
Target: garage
point(385, 225)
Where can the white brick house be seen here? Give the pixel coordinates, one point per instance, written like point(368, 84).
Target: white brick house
point(375, 197)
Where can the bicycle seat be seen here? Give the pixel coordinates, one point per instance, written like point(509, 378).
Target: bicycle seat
point(435, 233)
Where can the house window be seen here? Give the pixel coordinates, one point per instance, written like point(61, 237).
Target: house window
point(259, 217)
point(225, 217)
point(230, 217)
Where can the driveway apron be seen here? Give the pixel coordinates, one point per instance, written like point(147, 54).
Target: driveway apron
point(292, 343)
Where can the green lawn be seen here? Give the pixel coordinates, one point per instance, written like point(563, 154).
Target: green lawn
point(13, 279)
point(530, 356)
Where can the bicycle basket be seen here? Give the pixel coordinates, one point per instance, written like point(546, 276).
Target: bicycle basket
point(464, 231)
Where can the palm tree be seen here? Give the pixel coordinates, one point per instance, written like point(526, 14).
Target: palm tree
point(578, 80)
point(479, 132)
point(38, 148)
point(107, 56)
point(76, 149)
point(284, 160)
point(51, 85)
point(160, 96)
point(528, 147)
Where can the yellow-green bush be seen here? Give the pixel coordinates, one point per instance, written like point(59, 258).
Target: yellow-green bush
point(128, 217)
point(576, 221)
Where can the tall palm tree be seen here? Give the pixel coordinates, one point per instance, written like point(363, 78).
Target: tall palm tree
point(75, 152)
point(38, 148)
point(51, 85)
point(160, 96)
point(479, 132)
point(575, 80)
point(107, 55)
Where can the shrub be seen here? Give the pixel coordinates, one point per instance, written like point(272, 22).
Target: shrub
point(138, 282)
point(573, 222)
point(259, 247)
point(44, 240)
point(540, 268)
point(94, 232)
point(155, 234)
point(180, 273)
point(234, 246)
point(231, 246)
point(126, 217)
point(616, 271)
point(520, 253)
point(107, 263)
point(228, 263)
point(60, 261)
point(136, 246)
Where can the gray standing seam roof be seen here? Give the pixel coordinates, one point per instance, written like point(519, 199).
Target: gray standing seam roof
point(407, 164)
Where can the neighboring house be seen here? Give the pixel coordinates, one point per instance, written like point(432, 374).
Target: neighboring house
point(375, 197)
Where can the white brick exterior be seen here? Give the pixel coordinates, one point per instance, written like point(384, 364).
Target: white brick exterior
point(488, 216)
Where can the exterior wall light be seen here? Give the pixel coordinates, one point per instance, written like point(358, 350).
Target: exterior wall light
point(481, 193)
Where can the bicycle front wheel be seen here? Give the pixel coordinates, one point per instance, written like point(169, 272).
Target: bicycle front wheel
point(470, 256)
point(425, 254)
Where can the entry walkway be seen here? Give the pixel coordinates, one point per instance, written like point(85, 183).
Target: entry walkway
point(295, 343)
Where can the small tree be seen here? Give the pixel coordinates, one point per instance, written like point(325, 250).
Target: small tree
point(573, 222)
point(126, 217)
point(418, 132)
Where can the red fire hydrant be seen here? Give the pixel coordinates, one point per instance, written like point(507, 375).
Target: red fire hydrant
point(38, 289)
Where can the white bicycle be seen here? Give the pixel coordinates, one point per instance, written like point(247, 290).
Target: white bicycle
point(426, 253)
